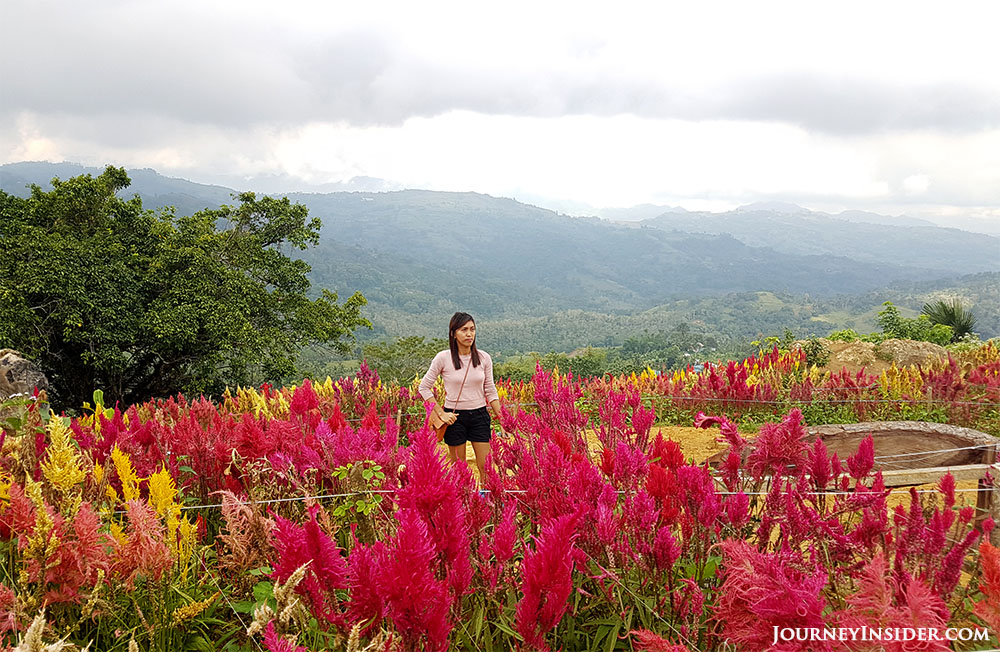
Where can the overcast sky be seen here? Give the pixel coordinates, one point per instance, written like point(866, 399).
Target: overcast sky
point(886, 106)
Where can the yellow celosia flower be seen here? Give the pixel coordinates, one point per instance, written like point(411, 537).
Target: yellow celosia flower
point(187, 612)
point(126, 474)
point(162, 492)
point(98, 473)
point(63, 468)
point(6, 481)
point(118, 533)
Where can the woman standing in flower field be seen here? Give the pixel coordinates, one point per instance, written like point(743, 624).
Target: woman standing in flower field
point(468, 386)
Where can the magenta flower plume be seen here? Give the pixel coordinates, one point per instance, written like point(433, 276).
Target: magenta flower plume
point(505, 534)
point(647, 641)
point(665, 549)
point(819, 465)
point(367, 604)
point(762, 591)
point(304, 399)
point(277, 643)
point(947, 487)
point(327, 571)
point(861, 463)
point(416, 602)
point(779, 447)
point(434, 491)
point(546, 581)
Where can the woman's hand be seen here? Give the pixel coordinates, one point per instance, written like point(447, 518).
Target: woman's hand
point(450, 417)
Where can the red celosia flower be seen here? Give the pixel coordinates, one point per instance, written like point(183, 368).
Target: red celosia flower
point(989, 585)
point(546, 581)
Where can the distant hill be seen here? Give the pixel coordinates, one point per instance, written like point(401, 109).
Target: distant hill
point(419, 255)
point(861, 236)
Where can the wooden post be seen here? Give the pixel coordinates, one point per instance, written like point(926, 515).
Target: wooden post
point(987, 502)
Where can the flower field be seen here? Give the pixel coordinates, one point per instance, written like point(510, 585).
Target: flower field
point(324, 516)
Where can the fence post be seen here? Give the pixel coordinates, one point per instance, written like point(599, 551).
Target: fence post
point(988, 498)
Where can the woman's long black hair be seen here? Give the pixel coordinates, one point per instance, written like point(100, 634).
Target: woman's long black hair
point(458, 320)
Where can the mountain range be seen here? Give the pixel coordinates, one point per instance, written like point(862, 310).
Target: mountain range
point(419, 255)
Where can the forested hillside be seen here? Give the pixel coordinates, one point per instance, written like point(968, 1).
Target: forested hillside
point(546, 281)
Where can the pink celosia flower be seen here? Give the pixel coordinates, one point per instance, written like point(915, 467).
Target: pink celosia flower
point(297, 546)
point(647, 641)
point(277, 643)
point(665, 549)
point(505, 534)
point(367, 604)
point(416, 602)
point(145, 553)
point(779, 447)
point(860, 464)
point(762, 591)
point(546, 581)
point(8, 603)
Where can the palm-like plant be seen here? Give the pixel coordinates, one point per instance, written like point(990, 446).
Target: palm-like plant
point(951, 313)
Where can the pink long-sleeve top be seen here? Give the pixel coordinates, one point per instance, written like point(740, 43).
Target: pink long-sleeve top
point(479, 387)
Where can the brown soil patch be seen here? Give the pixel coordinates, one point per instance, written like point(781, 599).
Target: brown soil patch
point(876, 358)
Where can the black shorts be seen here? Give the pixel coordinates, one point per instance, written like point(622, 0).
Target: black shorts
point(471, 425)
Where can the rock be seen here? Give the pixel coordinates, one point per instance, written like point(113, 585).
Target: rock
point(19, 376)
point(907, 352)
point(854, 355)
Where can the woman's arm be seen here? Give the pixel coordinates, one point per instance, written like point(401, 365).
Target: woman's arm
point(490, 388)
point(427, 382)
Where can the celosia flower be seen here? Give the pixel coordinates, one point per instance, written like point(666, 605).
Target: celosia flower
point(762, 591)
point(367, 605)
point(779, 447)
point(416, 602)
point(327, 571)
point(277, 643)
point(989, 585)
point(546, 581)
point(861, 462)
point(505, 535)
point(665, 549)
point(647, 641)
point(145, 552)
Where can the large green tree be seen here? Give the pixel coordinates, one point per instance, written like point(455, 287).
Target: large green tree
point(105, 294)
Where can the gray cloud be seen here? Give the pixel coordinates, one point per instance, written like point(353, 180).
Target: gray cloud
point(236, 71)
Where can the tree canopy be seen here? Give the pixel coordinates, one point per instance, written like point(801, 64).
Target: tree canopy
point(105, 294)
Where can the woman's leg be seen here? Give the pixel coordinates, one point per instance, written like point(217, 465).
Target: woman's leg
point(457, 452)
point(482, 449)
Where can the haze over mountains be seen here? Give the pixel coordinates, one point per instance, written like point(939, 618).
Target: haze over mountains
point(417, 254)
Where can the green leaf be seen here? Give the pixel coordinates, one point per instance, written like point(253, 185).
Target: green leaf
point(263, 591)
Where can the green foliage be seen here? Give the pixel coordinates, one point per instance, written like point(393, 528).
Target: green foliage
point(816, 353)
point(953, 314)
point(105, 294)
point(920, 329)
point(784, 343)
point(404, 358)
point(845, 335)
